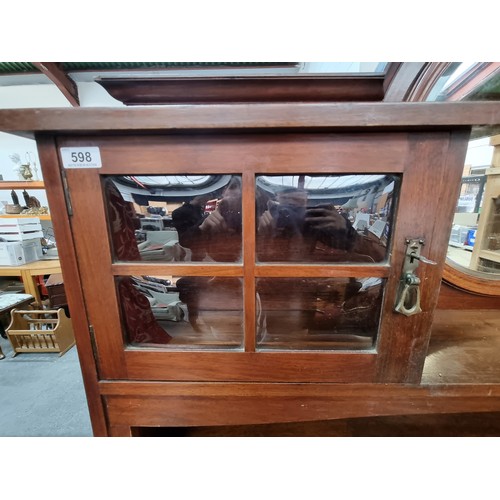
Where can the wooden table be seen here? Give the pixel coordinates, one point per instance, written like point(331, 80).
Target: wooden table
point(28, 273)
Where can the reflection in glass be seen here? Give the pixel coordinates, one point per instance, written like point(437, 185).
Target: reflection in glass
point(188, 312)
point(474, 242)
point(318, 313)
point(324, 218)
point(175, 218)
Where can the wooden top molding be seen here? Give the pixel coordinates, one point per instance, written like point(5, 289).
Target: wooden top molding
point(150, 91)
point(252, 116)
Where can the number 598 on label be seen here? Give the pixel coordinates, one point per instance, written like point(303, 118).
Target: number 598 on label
point(89, 157)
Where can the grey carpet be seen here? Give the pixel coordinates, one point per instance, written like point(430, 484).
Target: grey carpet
point(42, 395)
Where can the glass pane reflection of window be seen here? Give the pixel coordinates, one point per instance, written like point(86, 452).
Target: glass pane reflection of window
point(324, 218)
point(175, 218)
point(182, 313)
point(318, 314)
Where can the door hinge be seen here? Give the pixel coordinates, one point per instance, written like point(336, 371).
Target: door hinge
point(94, 346)
point(67, 195)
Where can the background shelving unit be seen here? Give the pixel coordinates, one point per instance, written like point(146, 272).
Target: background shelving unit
point(6, 185)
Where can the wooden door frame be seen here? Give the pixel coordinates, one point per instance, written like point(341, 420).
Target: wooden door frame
point(399, 360)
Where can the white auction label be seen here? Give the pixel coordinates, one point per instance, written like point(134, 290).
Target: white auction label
point(89, 157)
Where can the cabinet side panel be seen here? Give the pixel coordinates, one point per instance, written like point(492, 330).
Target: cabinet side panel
point(62, 228)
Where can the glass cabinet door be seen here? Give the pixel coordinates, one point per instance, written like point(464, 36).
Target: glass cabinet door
point(258, 258)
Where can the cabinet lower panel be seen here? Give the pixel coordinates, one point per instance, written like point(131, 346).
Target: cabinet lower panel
point(150, 404)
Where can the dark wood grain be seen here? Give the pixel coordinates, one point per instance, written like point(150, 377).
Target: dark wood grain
point(400, 79)
point(149, 364)
point(176, 269)
point(326, 270)
point(453, 298)
point(62, 228)
point(94, 258)
point(249, 219)
point(150, 91)
point(240, 404)
point(403, 342)
point(463, 348)
point(252, 116)
point(232, 153)
point(63, 82)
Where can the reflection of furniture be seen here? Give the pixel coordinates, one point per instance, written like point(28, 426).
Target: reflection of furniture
point(55, 291)
point(161, 245)
point(29, 272)
point(486, 252)
point(40, 331)
point(151, 223)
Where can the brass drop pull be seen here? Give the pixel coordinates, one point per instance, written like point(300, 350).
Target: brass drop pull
point(408, 297)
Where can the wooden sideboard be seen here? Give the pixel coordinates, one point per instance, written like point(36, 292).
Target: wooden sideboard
point(437, 361)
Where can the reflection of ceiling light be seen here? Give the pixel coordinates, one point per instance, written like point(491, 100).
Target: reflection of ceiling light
point(321, 182)
point(171, 180)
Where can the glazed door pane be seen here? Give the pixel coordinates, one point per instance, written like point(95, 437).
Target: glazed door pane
point(318, 313)
point(324, 218)
point(182, 218)
point(193, 219)
point(191, 312)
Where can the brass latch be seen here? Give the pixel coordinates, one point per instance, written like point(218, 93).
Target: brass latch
point(408, 297)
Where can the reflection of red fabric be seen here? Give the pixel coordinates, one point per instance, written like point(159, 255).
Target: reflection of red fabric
point(121, 218)
point(140, 324)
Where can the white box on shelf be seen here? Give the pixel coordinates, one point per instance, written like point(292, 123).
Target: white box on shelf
point(18, 253)
point(36, 244)
point(21, 236)
point(20, 229)
point(18, 221)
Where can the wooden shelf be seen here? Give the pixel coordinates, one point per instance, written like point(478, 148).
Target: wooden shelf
point(22, 185)
point(25, 216)
point(493, 255)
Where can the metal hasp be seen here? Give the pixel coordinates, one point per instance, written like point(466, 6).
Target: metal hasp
point(408, 297)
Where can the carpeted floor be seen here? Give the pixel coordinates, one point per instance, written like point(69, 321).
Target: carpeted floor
point(42, 395)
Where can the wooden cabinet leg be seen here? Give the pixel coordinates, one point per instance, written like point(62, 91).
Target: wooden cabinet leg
point(120, 431)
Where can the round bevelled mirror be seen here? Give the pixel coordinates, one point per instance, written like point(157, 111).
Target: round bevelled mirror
point(473, 257)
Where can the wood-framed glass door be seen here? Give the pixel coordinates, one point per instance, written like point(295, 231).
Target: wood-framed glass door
point(286, 264)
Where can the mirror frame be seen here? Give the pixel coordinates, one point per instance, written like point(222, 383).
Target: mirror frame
point(470, 281)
